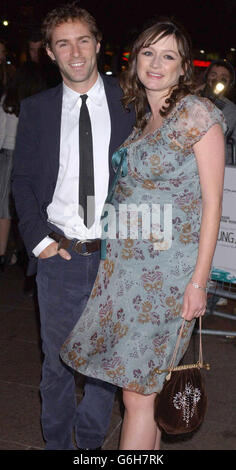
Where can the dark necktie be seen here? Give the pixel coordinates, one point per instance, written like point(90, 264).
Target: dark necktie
point(86, 171)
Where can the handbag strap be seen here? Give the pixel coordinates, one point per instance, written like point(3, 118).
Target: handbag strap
point(200, 360)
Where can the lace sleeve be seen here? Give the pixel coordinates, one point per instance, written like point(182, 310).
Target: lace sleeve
point(196, 116)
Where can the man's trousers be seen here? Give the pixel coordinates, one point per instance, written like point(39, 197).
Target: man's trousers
point(63, 290)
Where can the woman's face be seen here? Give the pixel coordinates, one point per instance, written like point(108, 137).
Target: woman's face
point(159, 65)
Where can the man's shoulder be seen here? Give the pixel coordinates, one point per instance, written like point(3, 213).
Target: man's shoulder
point(229, 112)
point(114, 92)
point(228, 103)
point(110, 80)
point(43, 97)
point(111, 85)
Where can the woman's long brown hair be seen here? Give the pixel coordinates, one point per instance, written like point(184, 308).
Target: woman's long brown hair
point(134, 91)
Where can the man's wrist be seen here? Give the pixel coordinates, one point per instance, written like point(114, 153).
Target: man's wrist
point(42, 245)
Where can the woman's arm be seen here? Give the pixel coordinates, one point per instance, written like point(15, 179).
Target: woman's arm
point(210, 156)
point(3, 120)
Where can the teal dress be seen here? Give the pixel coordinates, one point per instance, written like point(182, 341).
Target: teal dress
point(132, 319)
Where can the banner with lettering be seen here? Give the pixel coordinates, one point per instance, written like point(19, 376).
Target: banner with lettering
point(224, 261)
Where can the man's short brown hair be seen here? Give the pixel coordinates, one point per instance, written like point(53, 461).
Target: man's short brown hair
point(68, 12)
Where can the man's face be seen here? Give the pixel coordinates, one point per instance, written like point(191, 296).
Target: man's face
point(219, 73)
point(34, 50)
point(75, 50)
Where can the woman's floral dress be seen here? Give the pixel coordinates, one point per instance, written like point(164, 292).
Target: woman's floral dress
point(131, 322)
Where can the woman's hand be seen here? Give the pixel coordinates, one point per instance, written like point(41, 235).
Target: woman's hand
point(194, 303)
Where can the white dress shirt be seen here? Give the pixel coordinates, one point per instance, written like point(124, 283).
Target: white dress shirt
point(63, 210)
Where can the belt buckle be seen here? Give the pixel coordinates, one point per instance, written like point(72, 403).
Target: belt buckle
point(85, 253)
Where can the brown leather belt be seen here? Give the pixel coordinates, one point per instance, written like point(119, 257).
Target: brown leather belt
point(83, 247)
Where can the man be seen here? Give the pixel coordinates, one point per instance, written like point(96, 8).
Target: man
point(48, 179)
point(38, 58)
point(35, 46)
point(221, 71)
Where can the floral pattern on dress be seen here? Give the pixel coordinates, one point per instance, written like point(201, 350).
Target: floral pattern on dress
point(133, 316)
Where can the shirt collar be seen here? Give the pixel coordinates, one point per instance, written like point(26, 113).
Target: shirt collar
point(96, 94)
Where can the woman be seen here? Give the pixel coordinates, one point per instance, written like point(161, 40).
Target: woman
point(6, 70)
point(145, 287)
point(25, 82)
point(6, 122)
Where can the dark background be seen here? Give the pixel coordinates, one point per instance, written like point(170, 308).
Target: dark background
point(211, 24)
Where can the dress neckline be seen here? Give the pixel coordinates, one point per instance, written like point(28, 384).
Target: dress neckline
point(165, 121)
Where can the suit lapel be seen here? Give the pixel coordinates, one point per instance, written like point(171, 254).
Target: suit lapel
point(113, 95)
point(114, 105)
point(53, 129)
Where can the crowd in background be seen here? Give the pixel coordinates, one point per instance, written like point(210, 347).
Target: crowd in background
point(35, 73)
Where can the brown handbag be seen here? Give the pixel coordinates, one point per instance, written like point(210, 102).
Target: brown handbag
point(181, 405)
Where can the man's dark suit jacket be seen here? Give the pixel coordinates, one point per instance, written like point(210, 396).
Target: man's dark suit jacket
point(36, 158)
